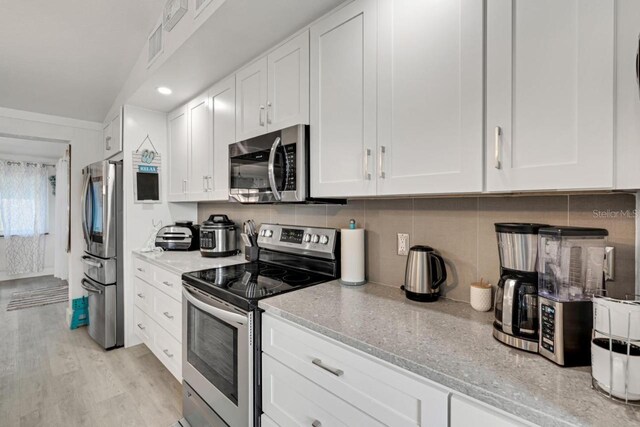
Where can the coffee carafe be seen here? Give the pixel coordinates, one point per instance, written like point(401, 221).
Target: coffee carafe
point(516, 309)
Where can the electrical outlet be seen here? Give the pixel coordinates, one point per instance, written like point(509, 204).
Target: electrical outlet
point(403, 244)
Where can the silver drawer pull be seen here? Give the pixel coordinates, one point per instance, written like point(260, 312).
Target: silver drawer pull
point(167, 315)
point(334, 371)
point(165, 351)
point(140, 269)
point(141, 326)
point(167, 284)
point(316, 423)
point(141, 296)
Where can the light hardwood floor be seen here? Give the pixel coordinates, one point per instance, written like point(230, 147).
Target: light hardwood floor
point(53, 376)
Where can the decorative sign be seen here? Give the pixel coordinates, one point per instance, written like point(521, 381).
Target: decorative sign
point(146, 174)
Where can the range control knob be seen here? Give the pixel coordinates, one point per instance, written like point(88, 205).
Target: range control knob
point(307, 237)
point(324, 239)
point(315, 238)
point(263, 232)
point(268, 233)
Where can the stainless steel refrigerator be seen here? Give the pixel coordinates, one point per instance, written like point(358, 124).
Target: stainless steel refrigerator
point(102, 225)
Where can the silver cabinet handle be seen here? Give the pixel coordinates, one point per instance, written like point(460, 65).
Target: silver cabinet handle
point(638, 65)
point(141, 296)
point(167, 315)
point(261, 119)
point(209, 183)
point(184, 186)
point(334, 371)
point(108, 140)
point(205, 182)
point(168, 284)
point(316, 423)
point(383, 150)
point(367, 155)
point(498, 133)
point(165, 351)
point(268, 112)
point(141, 326)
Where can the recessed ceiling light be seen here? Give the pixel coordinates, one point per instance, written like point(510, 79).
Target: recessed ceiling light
point(164, 90)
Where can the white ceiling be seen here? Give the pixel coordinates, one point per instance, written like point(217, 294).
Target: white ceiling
point(14, 148)
point(70, 57)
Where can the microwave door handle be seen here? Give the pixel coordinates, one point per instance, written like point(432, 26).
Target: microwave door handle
point(85, 228)
point(225, 315)
point(272, 172)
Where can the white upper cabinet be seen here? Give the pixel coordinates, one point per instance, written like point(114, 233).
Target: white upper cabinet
point(628, 95)
point(112, 136)
point(430, 96)
point(178, 155)
point(201, 148)
point(223, 100)
point(273, 92)
point(251, 90)
point(288, 84)
point(343, 102)
point(550, 94)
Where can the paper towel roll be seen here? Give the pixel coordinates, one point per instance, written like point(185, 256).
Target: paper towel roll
point(352, 256)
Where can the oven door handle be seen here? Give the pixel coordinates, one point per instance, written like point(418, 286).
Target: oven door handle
point(272, 167)
point(225, 315)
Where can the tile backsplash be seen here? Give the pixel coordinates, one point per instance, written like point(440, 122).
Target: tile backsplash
point(460, 228)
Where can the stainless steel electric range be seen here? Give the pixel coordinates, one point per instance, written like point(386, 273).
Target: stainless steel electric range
point(221, 320)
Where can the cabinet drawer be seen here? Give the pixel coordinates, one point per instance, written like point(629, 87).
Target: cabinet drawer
point(465, 412)
point(169, 351)
point(292, 400)
point(388, 394)
point(142, 269)
point(143, 326)
point(168, 313)
point(267, 422)
point(143, 295)
point(169, 283)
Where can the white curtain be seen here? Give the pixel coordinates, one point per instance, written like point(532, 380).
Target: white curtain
point(61, 229)
point(23, 210)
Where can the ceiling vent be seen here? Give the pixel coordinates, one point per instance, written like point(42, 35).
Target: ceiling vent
point(155, 45)
point(174, 10)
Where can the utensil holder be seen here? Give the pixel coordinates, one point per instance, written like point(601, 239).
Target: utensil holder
point(251, 253)
point(481, 294)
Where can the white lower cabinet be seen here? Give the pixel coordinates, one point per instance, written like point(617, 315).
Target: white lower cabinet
point(267, 422)
point(305, 373)
point(465, 412)
point(312, 380)
point(157, 313)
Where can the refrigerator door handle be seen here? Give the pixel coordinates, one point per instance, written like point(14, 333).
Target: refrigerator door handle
point(85, 189)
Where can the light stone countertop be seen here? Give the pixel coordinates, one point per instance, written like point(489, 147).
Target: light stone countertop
point(450, 343)
point(180, 262)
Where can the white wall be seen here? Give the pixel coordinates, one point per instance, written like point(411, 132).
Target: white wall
point(86, 147)
point(138, 123)
point(51, 211)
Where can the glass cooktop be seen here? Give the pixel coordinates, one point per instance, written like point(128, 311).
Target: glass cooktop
point(245, 284)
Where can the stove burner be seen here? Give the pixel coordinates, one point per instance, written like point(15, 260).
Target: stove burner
point(272, 271)
point(292, 277)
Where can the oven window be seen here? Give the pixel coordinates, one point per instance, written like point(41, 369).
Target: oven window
point(212, 348)
point(251, 170)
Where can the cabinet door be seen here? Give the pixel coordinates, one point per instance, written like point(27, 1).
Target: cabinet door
point(106, 140)
point(430, 96)
point(223, 100)
point(251, 89)
point(550, 71)
point(627, 95)
point(178, 154)
point(343, 102)
point(201, 148)
point(288, 87)
point(116, 134)
point(464, 412)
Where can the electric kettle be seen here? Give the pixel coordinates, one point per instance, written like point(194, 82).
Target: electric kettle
point(424, 274)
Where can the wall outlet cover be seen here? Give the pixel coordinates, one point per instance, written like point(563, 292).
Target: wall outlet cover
point(403, 244)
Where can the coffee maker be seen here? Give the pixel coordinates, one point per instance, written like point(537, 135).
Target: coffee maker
point(570, 274)
point(516, 309)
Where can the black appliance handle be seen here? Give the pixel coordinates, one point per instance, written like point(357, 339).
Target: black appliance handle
point(219, 218)
point(437, 264)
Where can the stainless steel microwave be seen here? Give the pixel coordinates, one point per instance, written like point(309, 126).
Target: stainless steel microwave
point(271, 168)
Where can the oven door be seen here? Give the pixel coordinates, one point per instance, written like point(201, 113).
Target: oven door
point(99, 209)
point(217, 355)
point(269, 168)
